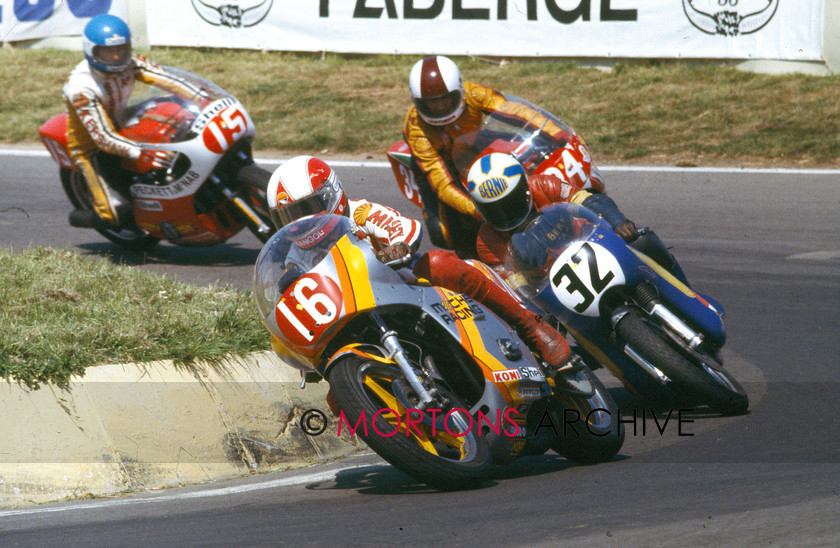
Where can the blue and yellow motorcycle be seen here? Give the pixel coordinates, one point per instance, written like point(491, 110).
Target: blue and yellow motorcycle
point(623, 310)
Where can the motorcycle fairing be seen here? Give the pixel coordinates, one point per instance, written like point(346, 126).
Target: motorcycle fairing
point(158, 215)
point(348, 280)
point(692, 306)
point(203, 129)
point(595, 271)
point(53, 134)
point(401, 164)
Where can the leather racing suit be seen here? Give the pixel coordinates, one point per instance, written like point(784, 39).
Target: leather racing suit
point(384, 226)
point(450, 215)
point(96, 103)
point(546, 190)
point(492, 244)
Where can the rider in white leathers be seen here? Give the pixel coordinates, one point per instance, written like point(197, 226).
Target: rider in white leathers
point(96, 93)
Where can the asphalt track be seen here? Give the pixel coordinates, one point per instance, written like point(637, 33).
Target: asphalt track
point(764, 243)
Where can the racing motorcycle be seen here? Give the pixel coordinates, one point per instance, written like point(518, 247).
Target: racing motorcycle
point(431, 380)
point(668, 314)
point(562, 152)
point(210, 192)
point(623, 310)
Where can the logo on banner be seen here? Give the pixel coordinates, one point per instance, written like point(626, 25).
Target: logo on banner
point(730, 17)
point(232, 14)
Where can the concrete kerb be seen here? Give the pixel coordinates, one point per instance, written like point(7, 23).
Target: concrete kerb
point(124, 428)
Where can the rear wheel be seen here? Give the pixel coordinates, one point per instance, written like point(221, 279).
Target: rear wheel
point(589, 430)
point(252, 185)
point(376, 397)
point(130, 237)
point(697, 376)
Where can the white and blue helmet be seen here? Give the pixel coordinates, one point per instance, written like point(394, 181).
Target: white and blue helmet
point(498, 186)
point(107, 43)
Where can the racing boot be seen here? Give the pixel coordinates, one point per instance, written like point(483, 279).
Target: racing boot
point(445, 269)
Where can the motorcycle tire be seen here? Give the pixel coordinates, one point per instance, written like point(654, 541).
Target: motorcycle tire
point(252, 185)
point(702, 384)
point(362, 387)
point(589, 430)
point(129, 237)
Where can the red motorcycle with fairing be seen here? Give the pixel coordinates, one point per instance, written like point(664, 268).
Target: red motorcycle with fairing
point(561, 152)
point(211, 191)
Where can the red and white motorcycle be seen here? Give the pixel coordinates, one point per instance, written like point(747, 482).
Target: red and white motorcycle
point(562, 153)
point(213, 188)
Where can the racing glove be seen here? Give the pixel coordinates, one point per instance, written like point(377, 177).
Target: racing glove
point(627, 230)
point(393, 252)
point(604, 206)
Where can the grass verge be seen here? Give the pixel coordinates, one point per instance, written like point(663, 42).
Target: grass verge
point(661, 112)
point(63, 313)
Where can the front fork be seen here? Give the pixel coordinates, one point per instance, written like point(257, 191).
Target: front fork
point(397, 354)
point(673, 326)
point(262, 227)
point(241, 205)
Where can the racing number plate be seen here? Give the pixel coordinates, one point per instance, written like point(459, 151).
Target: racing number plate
point(581, 274)
point(307, 308)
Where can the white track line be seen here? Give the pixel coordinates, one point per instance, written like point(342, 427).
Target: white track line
point(382, 165)
point(204, 493)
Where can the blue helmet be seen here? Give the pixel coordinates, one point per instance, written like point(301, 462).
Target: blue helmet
point(107, 43)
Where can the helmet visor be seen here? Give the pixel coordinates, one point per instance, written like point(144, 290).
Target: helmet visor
point(325, 200)
point(311, 205)
point(508, 212)
point(440, 106)
point(113, 57)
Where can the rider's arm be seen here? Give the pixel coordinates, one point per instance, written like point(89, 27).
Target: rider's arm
point(86, 113)
point(155, 75)
point(604, 206)
point(429, 159)
point(491, 247)
point(385, 226)
point(601, 204)
point(549, 189)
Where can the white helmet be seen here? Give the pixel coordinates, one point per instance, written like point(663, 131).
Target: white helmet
point(302, 187)
point(498, 185)
point(437, 90)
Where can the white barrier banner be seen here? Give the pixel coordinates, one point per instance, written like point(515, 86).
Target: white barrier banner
point(735, 29)
point(31, 19)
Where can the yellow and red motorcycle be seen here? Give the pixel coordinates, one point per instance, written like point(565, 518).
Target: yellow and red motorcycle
point(435, 383)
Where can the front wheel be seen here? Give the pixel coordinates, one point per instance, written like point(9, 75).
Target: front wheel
point(698, 377)
point(592, 431)
point(252, 185)
point(372, 397)
point(130, 237)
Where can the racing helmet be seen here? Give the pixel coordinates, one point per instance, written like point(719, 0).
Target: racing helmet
point(437, 90)
point(498, 186)
point(107, 43)
point(301, 187)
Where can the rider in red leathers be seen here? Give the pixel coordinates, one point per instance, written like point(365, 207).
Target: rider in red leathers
point(306, 186)
point(95, 95)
